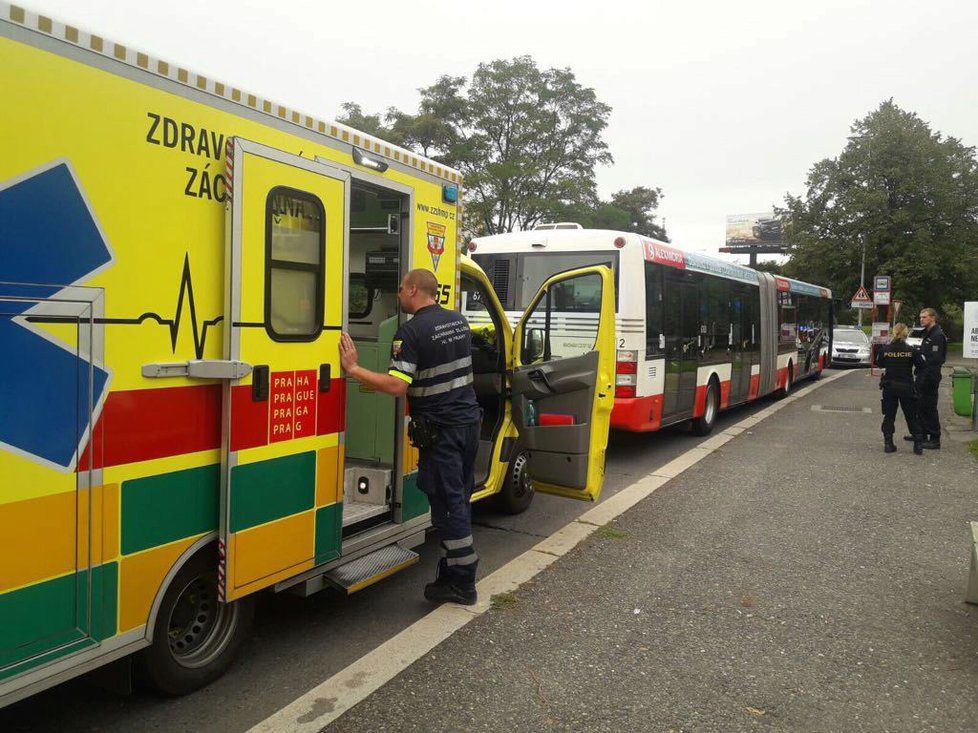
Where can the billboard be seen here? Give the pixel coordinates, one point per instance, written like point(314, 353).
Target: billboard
point(754, 229)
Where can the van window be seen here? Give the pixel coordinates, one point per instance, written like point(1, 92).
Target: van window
point(547, 335)
point(295, 227)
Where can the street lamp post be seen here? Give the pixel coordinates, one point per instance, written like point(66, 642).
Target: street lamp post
point(862, 277)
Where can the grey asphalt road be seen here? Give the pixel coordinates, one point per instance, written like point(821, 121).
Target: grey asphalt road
point(797, 579)
point(297, 643)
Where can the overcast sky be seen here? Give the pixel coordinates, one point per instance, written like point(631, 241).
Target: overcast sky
point(724, 105)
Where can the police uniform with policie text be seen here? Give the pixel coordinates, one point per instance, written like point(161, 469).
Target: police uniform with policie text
point(432, 352)
point(897, 383)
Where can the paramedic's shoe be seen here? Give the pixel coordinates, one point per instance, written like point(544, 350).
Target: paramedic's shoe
point(918, 447)
point(931, 444)
point(444, 592)
point(888, 446)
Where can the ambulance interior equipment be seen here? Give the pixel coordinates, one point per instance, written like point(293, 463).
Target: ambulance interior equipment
point(376, 248)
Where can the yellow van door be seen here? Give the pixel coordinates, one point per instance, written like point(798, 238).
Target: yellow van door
point(563, 381)
point(282, 463)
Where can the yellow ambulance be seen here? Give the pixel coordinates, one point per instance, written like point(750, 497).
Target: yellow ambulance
point(178, 258)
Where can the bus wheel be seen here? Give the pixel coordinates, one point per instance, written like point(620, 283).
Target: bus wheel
point(196, 636)
point(704, 425)
point(517, 491)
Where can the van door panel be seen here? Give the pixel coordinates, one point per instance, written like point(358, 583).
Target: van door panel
point(563, 381)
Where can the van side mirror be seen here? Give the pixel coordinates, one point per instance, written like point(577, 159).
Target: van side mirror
point(533, 349)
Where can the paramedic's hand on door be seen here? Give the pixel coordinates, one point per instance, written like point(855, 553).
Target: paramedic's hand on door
point(348, 353)
point(381, 382)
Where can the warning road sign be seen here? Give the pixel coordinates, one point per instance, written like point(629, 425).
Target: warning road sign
point(861, 299)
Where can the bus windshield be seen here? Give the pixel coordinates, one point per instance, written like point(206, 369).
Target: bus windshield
point(516, 276)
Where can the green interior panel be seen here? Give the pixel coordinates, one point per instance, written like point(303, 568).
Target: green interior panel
point(329, 528)
point(370, 414)
point(413, 503)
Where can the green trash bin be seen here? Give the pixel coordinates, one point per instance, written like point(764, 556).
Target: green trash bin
point(961, 390)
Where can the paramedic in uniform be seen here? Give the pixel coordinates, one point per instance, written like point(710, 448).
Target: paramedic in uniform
point(930, 358)
point(431, 362)
point(898, 389)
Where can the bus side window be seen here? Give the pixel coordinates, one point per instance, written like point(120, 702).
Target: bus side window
point(654, 346)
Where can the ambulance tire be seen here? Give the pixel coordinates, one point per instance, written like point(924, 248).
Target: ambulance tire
point(196, 637)
point(703, 425)
point(517, 493)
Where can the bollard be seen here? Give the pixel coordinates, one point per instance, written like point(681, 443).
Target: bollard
point(972, 595)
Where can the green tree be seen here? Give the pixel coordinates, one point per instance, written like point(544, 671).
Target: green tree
point(525, 139)
point(354, 116)
point(772, 266)
point(906, 193)
point(627, 211)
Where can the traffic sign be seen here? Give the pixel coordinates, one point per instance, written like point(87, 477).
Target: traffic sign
point(881, 297)
point(882, 282)
point(861, 299)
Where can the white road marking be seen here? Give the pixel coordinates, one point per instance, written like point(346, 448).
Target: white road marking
point(329, 700)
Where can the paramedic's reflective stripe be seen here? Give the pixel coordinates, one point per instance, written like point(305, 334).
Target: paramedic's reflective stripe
point(401, 375)
point(458, 544)
point(459, 552)
point(465, 361)
point(405, 367)
point(440, 388)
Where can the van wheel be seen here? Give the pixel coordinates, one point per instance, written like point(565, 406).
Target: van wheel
point(517, 491)
point(196, 636)
point(703, 425)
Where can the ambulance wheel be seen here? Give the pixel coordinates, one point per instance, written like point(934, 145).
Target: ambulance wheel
point(196, 636)
point(703, 425)
point(517, 492)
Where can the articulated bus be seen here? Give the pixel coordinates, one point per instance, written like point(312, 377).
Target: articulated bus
point(694, 334)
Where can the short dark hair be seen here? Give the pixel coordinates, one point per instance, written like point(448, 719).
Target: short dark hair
point(424, 280)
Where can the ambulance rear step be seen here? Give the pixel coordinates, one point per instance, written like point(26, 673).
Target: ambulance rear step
point(367, 570)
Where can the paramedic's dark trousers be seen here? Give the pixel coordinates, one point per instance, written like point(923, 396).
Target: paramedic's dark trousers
point(902, 396)
point(446, 474)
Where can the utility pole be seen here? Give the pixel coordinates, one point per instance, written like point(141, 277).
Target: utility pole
point(862, 277)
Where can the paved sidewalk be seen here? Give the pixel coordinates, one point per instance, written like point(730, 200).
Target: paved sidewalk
point(796, 579)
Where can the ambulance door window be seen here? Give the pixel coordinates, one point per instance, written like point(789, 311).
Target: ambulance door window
point(295, 226)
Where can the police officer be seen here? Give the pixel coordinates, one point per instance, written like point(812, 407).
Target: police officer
point(431, 362)
point(898, 388)
point(930, 358)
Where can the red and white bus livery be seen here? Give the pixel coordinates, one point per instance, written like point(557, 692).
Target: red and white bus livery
point(695, 334)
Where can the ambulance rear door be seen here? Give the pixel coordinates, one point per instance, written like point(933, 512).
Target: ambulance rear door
point(563, 381)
